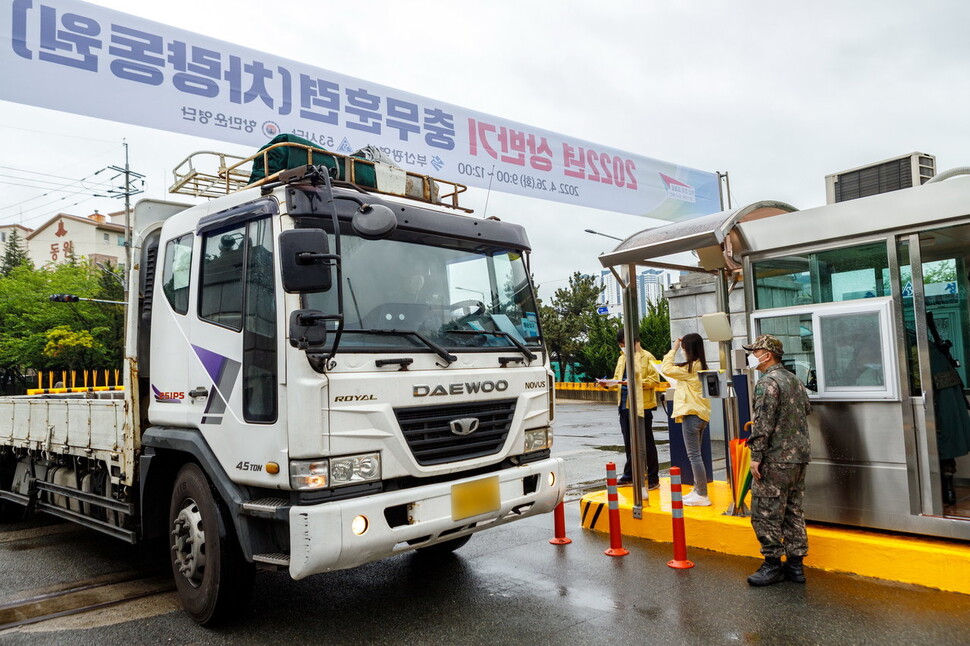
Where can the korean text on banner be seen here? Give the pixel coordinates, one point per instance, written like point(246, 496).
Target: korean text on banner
point(153, 75)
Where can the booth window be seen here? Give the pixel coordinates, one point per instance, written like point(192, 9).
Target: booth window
point(838, 350)
point(797, 334)
point(830, 276)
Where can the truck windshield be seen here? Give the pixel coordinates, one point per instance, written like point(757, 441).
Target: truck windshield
point(434, 286)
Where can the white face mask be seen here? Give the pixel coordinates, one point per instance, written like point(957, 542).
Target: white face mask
point(754, 361)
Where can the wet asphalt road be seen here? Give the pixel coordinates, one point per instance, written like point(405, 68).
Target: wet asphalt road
point(507, 586)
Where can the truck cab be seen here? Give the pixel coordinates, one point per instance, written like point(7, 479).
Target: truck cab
point(347, 375)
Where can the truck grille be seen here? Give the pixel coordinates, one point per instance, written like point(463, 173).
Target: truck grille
point(428, 432)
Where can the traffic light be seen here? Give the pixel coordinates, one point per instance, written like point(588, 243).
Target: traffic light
point(64, 298)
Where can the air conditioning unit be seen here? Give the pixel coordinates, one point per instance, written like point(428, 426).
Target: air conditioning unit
point(893, 174)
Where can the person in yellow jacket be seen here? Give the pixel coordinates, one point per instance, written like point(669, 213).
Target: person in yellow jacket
point(691, 409)
point(647, 380)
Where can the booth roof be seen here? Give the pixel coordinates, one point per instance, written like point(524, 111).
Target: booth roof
point(704, 235)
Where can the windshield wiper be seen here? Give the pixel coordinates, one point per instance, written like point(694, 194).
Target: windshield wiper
point(521, 348)
point(441, 352)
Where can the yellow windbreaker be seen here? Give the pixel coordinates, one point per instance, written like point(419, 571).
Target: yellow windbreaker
point(687, 396)
point(646, 377)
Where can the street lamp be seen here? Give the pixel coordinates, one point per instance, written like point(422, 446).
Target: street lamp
point(605, 235)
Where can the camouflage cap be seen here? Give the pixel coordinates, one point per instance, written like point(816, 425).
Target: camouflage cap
point(766, 342)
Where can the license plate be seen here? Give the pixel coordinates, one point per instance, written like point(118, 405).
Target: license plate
point(473, 498)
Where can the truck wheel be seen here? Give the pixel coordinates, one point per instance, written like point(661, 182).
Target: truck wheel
point(442, 549)
point(211, 574)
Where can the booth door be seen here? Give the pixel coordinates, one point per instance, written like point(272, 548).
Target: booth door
point(936, 318)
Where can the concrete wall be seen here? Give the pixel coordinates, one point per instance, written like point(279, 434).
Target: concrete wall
point(695, 296)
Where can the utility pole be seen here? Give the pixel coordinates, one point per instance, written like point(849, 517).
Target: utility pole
point(126, 191)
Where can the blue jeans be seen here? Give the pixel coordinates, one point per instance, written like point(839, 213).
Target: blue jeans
point(693, 431)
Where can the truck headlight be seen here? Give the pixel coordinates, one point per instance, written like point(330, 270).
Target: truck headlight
point(538, 439)
point(355, 468)
point(335, 472)
point(307, 474)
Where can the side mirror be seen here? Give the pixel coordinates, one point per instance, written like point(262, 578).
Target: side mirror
point(305, 261)
point(374, 221)
point(308, 330)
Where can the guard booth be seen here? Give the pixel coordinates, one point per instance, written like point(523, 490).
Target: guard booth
point(870, 298)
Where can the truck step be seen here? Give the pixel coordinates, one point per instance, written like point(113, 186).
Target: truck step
point(272, 559)
point(267, 508)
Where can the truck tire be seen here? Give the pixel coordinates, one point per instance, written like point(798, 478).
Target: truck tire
point(212, 576)
point(442, 549)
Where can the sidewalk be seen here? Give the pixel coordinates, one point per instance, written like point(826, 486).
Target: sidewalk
point(934, 563)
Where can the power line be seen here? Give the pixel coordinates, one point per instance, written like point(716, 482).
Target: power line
point(40, 184)
point(64, 191)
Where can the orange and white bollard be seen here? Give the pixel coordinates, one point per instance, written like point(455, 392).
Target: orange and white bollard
point(616, 538)
point(680, 561)
point(560, 522)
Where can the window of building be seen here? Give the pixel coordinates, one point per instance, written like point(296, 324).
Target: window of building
point(3, 236)
point(107, 237)
point(830, 276)
point(176, 272)
point(838, 350)
point(121, 241)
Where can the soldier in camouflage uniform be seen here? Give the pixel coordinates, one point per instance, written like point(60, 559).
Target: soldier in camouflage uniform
point(779, 456)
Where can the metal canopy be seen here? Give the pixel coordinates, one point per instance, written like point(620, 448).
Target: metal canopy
point(705, 235)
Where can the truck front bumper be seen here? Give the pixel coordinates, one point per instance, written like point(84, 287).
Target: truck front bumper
point(321, 538)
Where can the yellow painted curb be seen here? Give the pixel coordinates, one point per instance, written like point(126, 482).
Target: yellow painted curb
point(934, 563)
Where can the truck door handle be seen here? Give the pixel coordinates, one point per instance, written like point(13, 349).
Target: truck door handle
point(199, 392)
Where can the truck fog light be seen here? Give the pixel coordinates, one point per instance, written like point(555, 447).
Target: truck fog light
point(552, 479)
point(359, 525)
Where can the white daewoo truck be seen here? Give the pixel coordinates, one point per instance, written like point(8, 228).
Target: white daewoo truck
point(317, 376)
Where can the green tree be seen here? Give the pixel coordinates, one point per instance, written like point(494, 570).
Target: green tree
point(70, 348)
point(14, 255)
point(597, 357)
point(655, 328)
point(27, 317)
point(566, 320)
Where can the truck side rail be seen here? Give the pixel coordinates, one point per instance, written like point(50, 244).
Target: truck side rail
point(213, 174)
point(86, 427)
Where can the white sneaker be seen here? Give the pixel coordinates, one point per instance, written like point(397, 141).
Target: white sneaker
point(696, 500)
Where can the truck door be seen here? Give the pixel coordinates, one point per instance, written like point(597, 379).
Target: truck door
point(234, 340)
point(936, 317)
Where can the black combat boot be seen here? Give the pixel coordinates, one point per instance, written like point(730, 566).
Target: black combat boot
point(794, 570)
point(949, 491)
point(771, 571)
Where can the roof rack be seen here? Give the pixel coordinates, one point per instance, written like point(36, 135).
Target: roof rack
point(213, 174)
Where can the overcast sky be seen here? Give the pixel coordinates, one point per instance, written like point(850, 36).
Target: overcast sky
point(777, 94)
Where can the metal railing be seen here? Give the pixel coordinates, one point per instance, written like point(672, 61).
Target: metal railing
point(213, 174)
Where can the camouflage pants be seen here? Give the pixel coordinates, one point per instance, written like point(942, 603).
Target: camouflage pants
point(776, 510)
